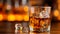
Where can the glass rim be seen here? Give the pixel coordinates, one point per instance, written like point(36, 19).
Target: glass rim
point(46, 7)
point(42, 6)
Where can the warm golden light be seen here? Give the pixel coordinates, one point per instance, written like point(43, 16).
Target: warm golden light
point(31, 29)
point(11, 17)
point(58, 17)
point(1, 4)
point(26, 8)
point(42, 23)
point(5, 17)
point(56, 13)
point(19, 17)
point(26, 18)
point(1, 17)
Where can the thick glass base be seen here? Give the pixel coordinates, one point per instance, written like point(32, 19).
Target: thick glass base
point(38, 30)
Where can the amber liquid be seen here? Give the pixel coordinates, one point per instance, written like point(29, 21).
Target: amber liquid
point(38, 23)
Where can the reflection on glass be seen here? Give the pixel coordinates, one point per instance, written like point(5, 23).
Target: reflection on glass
point(18, 27)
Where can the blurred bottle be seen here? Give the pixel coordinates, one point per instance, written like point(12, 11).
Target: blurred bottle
point(1, 6)
point(56, 12)
point(16, 7)
point(21, 8)
point(8, 6)
point(21, 11)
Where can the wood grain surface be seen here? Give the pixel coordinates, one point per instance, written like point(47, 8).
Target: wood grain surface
point(9, 28)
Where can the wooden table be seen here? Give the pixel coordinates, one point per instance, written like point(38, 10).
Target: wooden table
point(8, 28)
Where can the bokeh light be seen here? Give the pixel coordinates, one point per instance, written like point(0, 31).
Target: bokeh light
point(11, 17)
point(19, 17)
point(1, 17)
point(56, 13)
point(26, 18)
point(26, 8)
point(58, 17)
